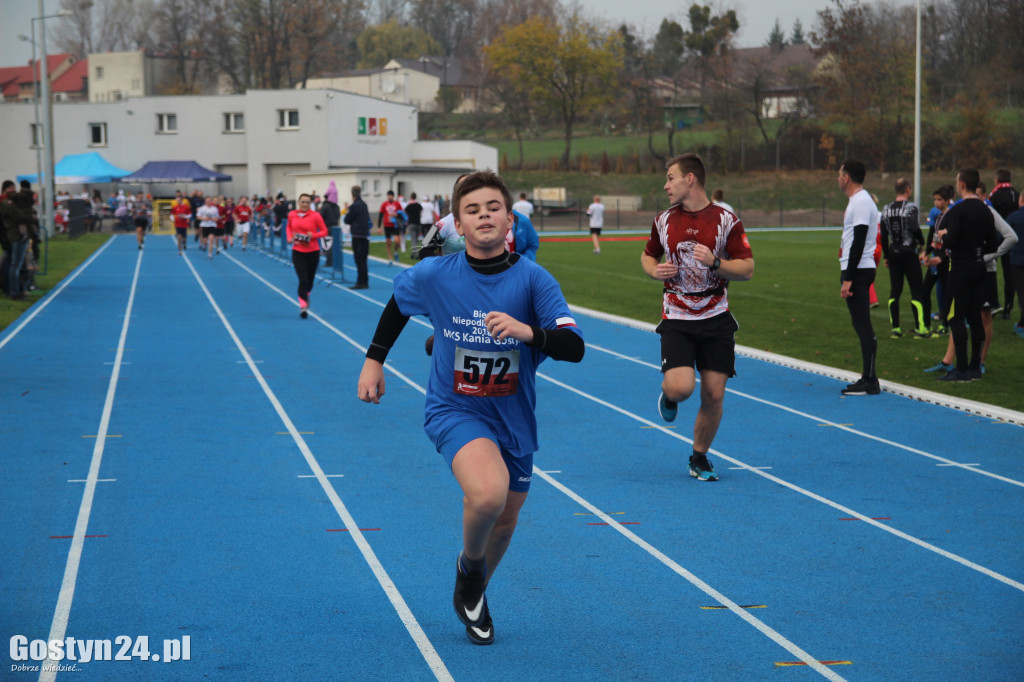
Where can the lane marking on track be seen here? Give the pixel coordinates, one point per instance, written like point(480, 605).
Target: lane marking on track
point(762, 627)
point(825, 422)
point(742, 606)
point(420, 638)
point(795, 488)
point(47, 299)
point(714, 594)
point(325, 476)
point(786, 664)
point(62, 612)
point(85, 480)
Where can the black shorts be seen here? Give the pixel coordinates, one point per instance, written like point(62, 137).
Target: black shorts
point(705, 344)
point(390, 232)
point(595, 230)
point(219, 231)
point(207, 231)
point(141, 223)
point(991, 291)
point(181, 231)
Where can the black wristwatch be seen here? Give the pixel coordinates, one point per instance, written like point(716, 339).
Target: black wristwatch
point(717, 264)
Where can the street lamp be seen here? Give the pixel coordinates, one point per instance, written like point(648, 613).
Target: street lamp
point(37, 138)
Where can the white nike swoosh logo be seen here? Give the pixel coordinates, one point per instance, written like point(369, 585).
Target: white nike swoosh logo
point(482, 633)
point(474, 614)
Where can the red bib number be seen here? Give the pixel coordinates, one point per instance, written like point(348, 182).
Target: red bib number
point(486, 373)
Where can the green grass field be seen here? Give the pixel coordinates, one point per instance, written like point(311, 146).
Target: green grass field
point(791, 307)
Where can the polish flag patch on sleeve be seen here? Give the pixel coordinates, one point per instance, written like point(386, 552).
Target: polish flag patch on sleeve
point(564, 322)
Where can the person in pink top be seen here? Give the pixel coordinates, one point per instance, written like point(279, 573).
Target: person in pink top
point(304, 231)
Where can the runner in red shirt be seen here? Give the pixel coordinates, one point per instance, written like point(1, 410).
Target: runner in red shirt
point(386, 219)
point(243, 214)
point(181, 212)
point(304, 231)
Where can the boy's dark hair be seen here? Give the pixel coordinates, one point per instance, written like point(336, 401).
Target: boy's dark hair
point(7, 185)
point(357, 191)
point(690, 163)
point(970, 177)
point(902, 186)
point(945, 192)
point(479, 180)
point(391, 193)
point(717, 195)
point(1002, 175)
point(855, 169)
point(304, 194)
point(25, 184)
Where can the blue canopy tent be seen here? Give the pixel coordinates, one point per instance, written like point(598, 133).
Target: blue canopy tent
point(88, 168)
point(174, 171)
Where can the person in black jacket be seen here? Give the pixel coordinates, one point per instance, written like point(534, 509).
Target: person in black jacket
point(331, 213)
point(358, 218)
point(967, 232)
point(1004, 198)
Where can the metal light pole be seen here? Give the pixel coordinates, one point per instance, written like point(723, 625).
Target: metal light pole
point(917, 113)
point(38, 138)
point(48, 192)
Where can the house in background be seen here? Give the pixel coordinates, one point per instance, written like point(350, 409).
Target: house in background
point(114, 76)
point(68, 80)
point(409, 81)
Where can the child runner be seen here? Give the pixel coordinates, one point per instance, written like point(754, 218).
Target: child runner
point(500, 315)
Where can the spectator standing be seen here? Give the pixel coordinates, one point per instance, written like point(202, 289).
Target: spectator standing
point(857, 263)
point(968, 232)
point(718, 198)
point(1004, 199)
point(704, 247)
point(429, 214)
point(414, 210)
point(19, 223)
point(358, 219)
point(331, 213)
point(596, 213)
point(523, 207)
point(1016, 221)
point(902, 247)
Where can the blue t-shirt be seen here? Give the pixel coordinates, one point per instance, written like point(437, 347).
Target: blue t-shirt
point(471, 374)
point(932, 215)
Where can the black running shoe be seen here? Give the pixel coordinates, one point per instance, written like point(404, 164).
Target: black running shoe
point(863, 387)
point(482, 634)
point(955, 375)
point(701, 468)
point(469, 599)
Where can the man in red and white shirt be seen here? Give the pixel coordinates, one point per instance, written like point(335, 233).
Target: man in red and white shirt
point(181, 212)
point(696, 247)
point(243, 215)
point(386, 219)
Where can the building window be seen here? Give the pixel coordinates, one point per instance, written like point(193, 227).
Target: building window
point(166, 123)
point(136, 84)
point(99, 73)
point(288, 119)
point(97, 134)
point(37, 134)
point(235, 123)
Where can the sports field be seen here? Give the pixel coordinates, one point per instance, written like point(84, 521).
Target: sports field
point(190, 476)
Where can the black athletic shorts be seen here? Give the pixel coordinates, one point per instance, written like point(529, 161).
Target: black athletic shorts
point(704, 344)
point(208, 231)
point(141, 222)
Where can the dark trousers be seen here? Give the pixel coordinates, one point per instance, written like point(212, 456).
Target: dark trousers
point(906, 266)
point(1018, 284)
point(360, 252)
point(859, 306)
point(937, 280)
point(965, 291)
point(305, 267)
point(1008, 283)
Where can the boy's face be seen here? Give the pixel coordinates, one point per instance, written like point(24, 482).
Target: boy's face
point(484, 220)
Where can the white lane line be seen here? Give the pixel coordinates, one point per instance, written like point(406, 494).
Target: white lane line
point(62, 612)
point(722, 599)
point(738, 610)
point(826, 422)
point(48, 298)
point(814, 496)
point(427, 650)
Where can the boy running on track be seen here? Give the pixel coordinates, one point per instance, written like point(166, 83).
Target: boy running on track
point(703, 247)
point(501, 315)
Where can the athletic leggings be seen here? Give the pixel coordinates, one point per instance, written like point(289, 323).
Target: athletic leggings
point(305, 263)
point(965, 293)
point(860, 315)
point(906, 265)
point(938, 281)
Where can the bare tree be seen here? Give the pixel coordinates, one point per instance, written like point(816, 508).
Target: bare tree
point(449, 22)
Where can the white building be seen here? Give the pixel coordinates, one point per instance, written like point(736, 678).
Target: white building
point(267, 140)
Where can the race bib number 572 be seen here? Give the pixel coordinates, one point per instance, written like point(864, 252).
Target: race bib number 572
point(486, 373)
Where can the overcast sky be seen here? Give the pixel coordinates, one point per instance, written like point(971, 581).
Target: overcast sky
point(756, 19)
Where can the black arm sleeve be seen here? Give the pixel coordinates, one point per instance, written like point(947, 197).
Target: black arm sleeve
point(860, 238)
point(391, 324)
point(558, 344)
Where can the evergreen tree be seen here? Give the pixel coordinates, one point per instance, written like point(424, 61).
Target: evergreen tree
point(797, 36)
point(777, 37)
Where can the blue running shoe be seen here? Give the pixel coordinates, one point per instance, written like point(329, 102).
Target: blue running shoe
point(940, 366)
point(667, 413)
point(701, 468)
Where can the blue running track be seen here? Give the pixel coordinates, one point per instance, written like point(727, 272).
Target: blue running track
point(185, 460)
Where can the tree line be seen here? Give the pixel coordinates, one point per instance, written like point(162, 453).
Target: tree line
point(546, 64)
